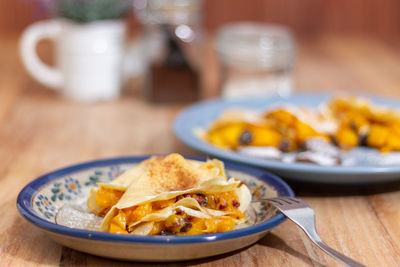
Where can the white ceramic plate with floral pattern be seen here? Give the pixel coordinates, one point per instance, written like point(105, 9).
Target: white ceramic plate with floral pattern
point(56, 203)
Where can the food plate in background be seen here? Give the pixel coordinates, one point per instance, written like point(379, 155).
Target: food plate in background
point(201, 115)
point(56, 203)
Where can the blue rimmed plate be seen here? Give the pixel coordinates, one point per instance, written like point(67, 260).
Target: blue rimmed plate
point(44, 202)
point(202, 114)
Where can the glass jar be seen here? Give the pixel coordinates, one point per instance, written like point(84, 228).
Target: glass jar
point(173, 49)
point(256, 60)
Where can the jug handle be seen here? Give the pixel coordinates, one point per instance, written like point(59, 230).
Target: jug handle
point(45, 74)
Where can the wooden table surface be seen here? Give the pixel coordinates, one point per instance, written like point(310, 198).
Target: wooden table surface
point(40, 132)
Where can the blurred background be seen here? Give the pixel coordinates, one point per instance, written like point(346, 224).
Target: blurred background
point(305, 17)
point(338, 44)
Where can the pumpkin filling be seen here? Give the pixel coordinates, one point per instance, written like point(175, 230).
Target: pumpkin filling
point(106, 198)
point(180, 223)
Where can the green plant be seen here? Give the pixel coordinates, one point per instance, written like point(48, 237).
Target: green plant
point(91, 10)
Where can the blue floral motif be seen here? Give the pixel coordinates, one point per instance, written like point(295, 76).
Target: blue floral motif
point(46, 203)
point(45, 206)
point(58, 193)
point(257, 190)
point(94, 178)
point(72, 185)
point(114, 172)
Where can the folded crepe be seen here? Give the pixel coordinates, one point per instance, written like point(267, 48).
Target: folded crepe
point(181, 197)
point(102, 198)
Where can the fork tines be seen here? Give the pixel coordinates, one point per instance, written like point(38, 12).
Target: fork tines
point(288, 203)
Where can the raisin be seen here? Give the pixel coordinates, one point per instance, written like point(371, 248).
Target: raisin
point(353, 126)
point(205, 201)
point(245, 137)
point(303, 146)
point(235, 203)
point(362, 140)
point(334, 140)
point(223, 206)
point(186, 227)
point(174, 222)
point(284, 145)
point(179, 212)
point(166, 232)
point(201, 199)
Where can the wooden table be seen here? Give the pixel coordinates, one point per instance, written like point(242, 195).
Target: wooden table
point(40, 132)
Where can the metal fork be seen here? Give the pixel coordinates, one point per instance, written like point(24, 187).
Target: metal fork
point(303, 215)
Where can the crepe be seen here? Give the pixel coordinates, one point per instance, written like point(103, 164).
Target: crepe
point(179, 196)
point(102, 198)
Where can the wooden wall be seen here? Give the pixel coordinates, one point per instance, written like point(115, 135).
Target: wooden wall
point(305, 17)
point(381, 17)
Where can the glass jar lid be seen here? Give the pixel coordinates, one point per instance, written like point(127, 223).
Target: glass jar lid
point(255, 45)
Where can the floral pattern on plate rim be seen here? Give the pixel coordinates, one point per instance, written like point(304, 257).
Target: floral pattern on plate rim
point(54, 195)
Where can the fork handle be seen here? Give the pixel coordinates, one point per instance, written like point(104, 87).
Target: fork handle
point(313, 235)
point(337, 255)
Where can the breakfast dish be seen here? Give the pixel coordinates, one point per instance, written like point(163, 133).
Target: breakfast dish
point(57, 203)
point(321, 135)
point(174, 196)
point(307, 137)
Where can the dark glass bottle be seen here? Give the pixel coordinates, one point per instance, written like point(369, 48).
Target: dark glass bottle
point(173, 44)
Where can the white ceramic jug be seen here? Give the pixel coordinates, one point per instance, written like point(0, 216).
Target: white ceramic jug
point(90, 58)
